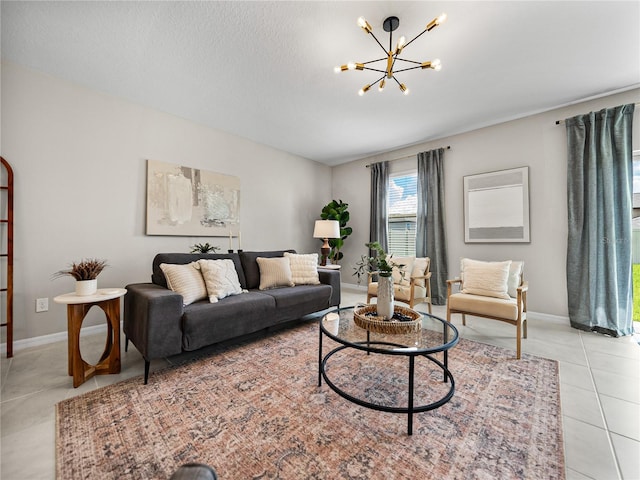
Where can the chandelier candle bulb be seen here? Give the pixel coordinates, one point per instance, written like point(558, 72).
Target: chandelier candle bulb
point(362, 23)
point(404, 89)
point(364, 89)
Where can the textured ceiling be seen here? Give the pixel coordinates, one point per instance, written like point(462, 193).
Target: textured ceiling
point(264, 70)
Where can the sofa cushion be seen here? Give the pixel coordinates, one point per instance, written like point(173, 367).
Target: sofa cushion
point(220, 278)
point(304, 268)
point(295, 302)
point(250, 266)
point(158, 277)
point(204, 323)
point(274, 272)
point(186, 280)
point(485, 278)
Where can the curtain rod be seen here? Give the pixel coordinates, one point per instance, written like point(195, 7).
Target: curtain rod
point(558, 122)
point(448, 147)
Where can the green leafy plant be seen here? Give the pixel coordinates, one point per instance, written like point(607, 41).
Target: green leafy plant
point(337, 210)
point(380, 263)
point(204, 248)
point(86, 269)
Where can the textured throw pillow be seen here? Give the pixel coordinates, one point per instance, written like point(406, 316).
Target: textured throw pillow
point(485, 278)
point(274, 272)
point(420, 266)
point(396, 273)
point(515, 277)
point(185, 280)
point(304, 268)
point(220, 278)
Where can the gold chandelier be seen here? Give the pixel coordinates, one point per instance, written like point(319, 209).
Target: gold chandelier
point(392, 55)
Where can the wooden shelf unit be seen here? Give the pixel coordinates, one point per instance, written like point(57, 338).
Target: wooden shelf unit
point(7, 256)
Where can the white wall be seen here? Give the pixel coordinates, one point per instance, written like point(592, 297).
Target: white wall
point(536, 142)
point(79, 160)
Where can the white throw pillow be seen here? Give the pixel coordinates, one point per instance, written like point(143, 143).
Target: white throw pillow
point(274, 272)
point(185, 280)
point(515, 277)
point(304, 268)
point(485, 278)
point(220, 278)
point(420, 267)
point(396, 273)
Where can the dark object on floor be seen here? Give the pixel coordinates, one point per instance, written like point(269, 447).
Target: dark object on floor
point(194, 471)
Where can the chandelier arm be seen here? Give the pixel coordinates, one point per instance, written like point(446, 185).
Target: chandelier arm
point(374, 61)
point(405, 69)
point(376, 69)
point(415, 38)
point(394, 77)
point(378, 41)
point(377, 81)
point(409, 61)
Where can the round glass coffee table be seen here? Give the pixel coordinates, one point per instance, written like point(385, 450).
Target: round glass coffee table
point(435, 336)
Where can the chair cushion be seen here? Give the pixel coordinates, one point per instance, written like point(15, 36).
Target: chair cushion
point(492, 306)
point(515, 278)
point(420, 267)
point(401, 292)
point(485, 278)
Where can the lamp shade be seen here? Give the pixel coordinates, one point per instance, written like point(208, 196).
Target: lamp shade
point(326, 229)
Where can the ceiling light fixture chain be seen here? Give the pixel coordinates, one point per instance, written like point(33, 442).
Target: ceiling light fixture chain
point(390, 24)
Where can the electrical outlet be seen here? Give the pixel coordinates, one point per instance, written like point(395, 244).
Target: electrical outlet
point(42, 305)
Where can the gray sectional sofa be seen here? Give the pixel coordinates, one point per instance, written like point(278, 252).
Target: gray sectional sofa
point(158, 324)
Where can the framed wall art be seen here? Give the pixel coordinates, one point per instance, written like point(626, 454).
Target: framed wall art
point(496, 207)
point(191, 202)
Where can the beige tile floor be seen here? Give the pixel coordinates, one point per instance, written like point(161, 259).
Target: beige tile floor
point(599, 376)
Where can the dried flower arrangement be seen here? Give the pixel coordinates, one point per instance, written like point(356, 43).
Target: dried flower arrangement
point(86, 269)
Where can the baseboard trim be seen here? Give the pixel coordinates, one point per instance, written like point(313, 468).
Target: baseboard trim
point(51, 338)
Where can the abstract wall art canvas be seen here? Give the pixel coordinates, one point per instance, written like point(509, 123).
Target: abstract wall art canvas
point(496, 206)
point(190, 201)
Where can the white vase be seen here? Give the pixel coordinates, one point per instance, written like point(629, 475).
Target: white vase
point(385, 297)
point(86, 287)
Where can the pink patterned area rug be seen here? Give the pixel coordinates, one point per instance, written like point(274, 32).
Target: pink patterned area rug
point(254, 411)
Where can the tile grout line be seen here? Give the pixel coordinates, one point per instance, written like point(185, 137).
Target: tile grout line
point(604, 419)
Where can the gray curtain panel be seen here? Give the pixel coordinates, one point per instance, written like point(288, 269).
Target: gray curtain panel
point(378, 221)
point(431, 231)
point(600, 190)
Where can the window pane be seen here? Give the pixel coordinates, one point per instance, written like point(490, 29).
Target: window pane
point(402, 207)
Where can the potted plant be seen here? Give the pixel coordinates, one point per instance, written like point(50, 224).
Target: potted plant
point(383, 265)
point(85, 273)
point(204, 248)
point(337, 210)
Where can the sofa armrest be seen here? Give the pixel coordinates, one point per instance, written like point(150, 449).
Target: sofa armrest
point(152, 320)
point(331, 277)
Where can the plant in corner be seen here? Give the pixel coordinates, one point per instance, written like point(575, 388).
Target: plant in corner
point(204, 248)
point(337, 210)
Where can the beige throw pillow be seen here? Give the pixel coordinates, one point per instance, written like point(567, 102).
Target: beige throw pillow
point(420, 266)
point(396, 273)
point(304, 268)
point(485, 278)
point(220, 278)
point(515, 277)
point(185, 280)
point(274, 272)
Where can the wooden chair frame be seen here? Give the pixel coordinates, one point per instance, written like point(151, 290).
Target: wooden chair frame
point(520, 322)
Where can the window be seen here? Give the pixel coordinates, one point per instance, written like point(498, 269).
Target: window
point(402, 207)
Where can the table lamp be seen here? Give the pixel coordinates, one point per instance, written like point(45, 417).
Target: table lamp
point(326, 229)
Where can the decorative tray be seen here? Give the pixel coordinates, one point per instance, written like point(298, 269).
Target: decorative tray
point(404, 320)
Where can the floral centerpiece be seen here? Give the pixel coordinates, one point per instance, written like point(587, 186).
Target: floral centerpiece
point(382, 264)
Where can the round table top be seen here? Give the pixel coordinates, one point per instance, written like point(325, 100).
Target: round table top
point(435, 335)
point(100, 296)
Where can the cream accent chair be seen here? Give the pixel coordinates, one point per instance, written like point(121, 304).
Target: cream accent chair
point(413, 289)
point(482, 294)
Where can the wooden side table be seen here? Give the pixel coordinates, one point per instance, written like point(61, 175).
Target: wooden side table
point(108, 299)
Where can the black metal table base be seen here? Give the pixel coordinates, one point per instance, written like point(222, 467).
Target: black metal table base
point(410, 409)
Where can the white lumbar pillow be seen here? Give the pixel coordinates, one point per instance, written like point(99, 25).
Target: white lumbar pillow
point(220, 278)
point(304, 268)
point(185, 280)
point(485, 278)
